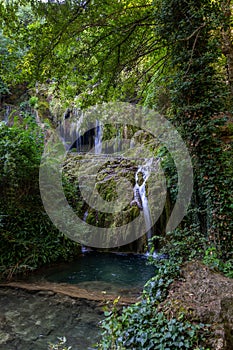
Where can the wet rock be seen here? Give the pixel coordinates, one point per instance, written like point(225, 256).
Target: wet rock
point(31, 321)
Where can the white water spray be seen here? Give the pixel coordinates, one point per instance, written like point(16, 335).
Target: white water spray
point(98, 138)
point(85, 249)
point(140, 197)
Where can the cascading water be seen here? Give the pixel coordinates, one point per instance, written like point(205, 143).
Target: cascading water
point(85, 215)
point(85, 249)
point(140, 197)
point(74, 137)
point(7, 113)
point(98, 138)
point(118, 140)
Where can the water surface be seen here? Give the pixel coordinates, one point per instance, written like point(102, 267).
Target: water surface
point(111, 272)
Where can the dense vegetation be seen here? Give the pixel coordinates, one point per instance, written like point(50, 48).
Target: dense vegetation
point(145, 326)
point(175, 57)
point(28, 238)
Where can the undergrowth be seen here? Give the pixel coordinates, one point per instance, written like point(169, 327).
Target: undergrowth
point(143, 326)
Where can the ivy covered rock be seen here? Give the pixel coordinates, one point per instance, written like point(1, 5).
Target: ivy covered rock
point(204, 295)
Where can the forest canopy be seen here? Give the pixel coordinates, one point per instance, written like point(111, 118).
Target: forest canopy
point(99, 50)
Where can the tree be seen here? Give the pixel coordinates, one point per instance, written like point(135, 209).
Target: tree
point(134, 50)
point(95, 46)
point(199, 96)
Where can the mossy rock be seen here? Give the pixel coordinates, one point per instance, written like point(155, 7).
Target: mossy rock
point(108, 180)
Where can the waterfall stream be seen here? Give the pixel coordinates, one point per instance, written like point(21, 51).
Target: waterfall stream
point(85, 249)
point(98, 138)
point(140, 196)
point(8, 110)
point(85, 136)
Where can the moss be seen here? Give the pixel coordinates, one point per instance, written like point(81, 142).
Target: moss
point(108, 179)
point(134, 212)
point(43, 109)
point(91, 218)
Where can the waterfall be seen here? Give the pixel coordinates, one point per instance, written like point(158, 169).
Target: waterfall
point(85, 249)
point(132, 143)
point(73, 138)
point(98, 138)
point(7, 112)
point(82, 135)
point(140, 197)
point(77, 136)
point(69, 129)
point(85, 215)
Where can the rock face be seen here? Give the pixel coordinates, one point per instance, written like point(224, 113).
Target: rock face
point(205, 296)
point(107, 198)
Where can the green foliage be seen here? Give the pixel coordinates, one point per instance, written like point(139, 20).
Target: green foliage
point(227, 268)
point(115, 36)
point(8, 63)
point(185, 243)
point(3, 88)
point(3, 63)
point(170, 173)
point(33, 101)
point(28, 238)
point(166, 271)
point(20, 151)
point(198, 98)
point(144, 326)
point(212, 260)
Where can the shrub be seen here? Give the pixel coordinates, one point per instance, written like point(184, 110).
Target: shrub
point(28, 237)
